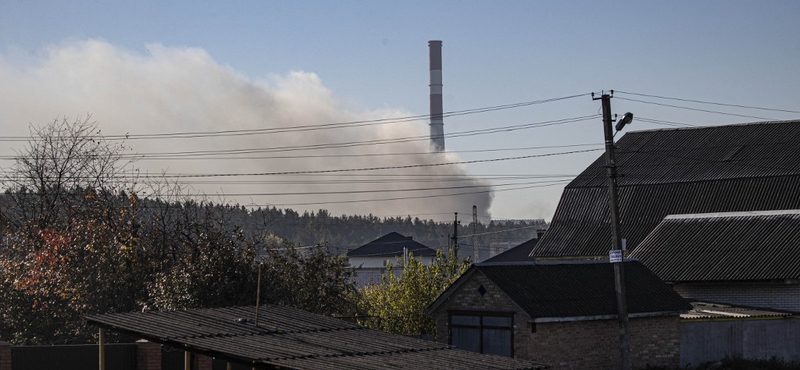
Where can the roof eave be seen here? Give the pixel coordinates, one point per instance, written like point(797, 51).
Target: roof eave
point(607, 317)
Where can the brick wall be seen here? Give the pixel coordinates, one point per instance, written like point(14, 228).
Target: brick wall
point(595, 344)
point(202, 362)
point(468, 298)
point(777, 296)
point(5, 356)
point(568, 345)
point(148, 355)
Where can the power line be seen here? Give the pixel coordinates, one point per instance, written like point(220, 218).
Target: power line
point(665, 123)
point(368, 181)
point(300, 128)
point(306, 193)
point(369, 142)
point(695, 109)
point(379, 168)
point(553, 183)
point(500, 231)
point(205, 153)
point(149, 157)
point(708, 102)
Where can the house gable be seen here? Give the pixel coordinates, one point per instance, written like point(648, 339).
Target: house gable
point(578, 334)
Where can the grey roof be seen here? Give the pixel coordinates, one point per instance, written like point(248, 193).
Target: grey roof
point(574, 289)
point(707, 310)
point(519, 253)
point(289, 338)
point(391, 245)
point(747, 167)
point(724, 247)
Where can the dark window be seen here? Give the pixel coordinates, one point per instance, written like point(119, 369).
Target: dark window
point(483, 332)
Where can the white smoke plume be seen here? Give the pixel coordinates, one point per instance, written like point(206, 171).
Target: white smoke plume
point(178, 89)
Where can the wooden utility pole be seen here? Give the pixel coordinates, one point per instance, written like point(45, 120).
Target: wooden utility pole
point(455, 235)
point(258, 293)
point(101, 342)
point(619, 267)
point(474, 234)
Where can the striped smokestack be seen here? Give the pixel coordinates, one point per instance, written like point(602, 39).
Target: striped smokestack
point(437, 112)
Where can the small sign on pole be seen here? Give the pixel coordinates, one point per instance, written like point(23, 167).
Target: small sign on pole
point(615, 256)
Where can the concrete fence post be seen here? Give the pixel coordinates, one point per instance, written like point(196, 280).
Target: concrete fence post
point(148, 355)
point(5, 356)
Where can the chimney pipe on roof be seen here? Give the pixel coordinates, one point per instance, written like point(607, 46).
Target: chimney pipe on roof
point(437, 110)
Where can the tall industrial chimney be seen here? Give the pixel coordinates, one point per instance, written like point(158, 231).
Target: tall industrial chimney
point(437, 110)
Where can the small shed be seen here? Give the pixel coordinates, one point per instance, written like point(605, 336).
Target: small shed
point(289, 338)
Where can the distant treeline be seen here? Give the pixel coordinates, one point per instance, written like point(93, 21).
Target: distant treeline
point(339, 233)
point(351, 231)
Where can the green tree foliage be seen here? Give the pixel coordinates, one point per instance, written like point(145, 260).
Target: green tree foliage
point(398, 304)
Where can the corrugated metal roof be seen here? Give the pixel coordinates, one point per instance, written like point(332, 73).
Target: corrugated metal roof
point(391, 245)
point(749, 167)
point(295, 339)
point(519, 253)
point(576, 288)
point(706, 310)
point(724, 247)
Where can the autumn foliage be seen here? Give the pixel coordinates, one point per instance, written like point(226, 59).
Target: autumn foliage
point(79, 240)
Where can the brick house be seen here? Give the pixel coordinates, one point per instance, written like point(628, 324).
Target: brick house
point(560, 313)
point(671, 183)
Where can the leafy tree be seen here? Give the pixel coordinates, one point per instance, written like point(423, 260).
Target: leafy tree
point(52, 278)
point(398, 304)
point(63, 161)
point(309, 279)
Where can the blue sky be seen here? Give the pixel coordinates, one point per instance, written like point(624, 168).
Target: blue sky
point(372, 56)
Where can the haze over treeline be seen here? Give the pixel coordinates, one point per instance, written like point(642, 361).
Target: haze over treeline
point(163, 90)
point(82, 236)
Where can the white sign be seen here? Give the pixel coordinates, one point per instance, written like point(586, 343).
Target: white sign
point(614, 256)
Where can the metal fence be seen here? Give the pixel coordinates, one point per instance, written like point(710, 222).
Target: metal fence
point(73, 357)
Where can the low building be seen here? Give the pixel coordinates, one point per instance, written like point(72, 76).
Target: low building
point(272, 337)
point(740, 258)
point(562, 313)
point(371, 259)
point(748, 265)
point(713, 331)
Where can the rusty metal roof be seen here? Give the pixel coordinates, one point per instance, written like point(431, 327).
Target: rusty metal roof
point(289, 338)
point(743, 246)
point(706, 310)
point(747, 167)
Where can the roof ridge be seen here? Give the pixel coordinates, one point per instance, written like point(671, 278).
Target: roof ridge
point(733, 214)
point(604, 185)
point(768, 122)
